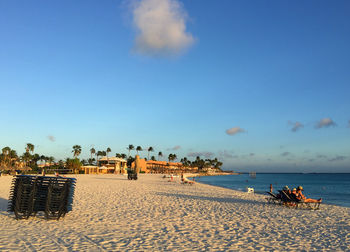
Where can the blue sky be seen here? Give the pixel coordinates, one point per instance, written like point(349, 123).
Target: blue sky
point(168, 73)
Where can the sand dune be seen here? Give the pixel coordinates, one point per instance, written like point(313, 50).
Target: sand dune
point(112, 213)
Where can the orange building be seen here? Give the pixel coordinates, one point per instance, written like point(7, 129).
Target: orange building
point(159, 166)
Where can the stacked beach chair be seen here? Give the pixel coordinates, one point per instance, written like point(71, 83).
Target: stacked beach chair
point(32, 194)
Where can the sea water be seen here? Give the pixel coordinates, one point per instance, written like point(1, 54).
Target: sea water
point(333, 188)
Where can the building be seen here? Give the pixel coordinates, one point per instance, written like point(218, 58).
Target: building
point(107, 165)
point(160, 166)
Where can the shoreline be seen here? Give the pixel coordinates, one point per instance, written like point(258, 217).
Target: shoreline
point(113, 213)
point(263, 192)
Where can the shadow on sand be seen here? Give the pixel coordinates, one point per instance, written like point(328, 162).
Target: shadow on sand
point(216, 199)
point(3, 206)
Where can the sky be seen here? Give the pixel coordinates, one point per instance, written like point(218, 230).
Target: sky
point(261, 85)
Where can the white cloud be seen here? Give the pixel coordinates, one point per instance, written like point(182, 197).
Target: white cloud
point(161, 26)
point(177, 147)
point(337, 158)
point(227, 154)
point(325, 122)
point(201, 154)
point(284, 154)
point(296, 126)
point(51, 138)
point(234, 131)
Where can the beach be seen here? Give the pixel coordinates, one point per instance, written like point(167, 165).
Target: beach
point(153, 214)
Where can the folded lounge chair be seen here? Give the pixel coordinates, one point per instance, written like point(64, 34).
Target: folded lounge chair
point(31, 194)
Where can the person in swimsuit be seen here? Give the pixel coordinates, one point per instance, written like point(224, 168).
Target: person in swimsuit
point(300, 196)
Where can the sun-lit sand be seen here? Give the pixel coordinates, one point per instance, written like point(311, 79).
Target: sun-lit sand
point(112, 213)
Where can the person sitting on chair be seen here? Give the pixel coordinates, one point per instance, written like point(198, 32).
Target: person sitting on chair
point(287, 190)
point(300, 196)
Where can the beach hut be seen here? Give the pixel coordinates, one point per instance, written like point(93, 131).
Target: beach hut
point(112, 165)
point(90, 169)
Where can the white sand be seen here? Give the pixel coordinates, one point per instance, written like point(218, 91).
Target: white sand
point(112, 213)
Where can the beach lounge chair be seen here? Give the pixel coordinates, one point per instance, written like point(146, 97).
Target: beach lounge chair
point(274, 199)
point(302, 204)
point(292, 201)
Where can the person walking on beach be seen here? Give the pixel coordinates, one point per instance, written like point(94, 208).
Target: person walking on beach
point(301, 196)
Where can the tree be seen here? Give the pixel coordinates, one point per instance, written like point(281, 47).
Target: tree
point(108, 151)
point(150, 149)
point(92, 152)
point(138, 148)
point(42, 158)
point(26, 157)
point(51, 159)
point(6, 153)
point(73, 164)
point(35, 160)
point(160, 154)
point(91, 161)
point(130, 148)
point(30, 148)
point(76, 150)
point(99, 154)
point(153, 158)
point(170, 157)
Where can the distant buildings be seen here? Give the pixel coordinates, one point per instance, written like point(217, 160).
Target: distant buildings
point(151, 166)
point(107, 165)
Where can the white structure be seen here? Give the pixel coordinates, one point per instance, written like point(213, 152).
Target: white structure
point(112, 164)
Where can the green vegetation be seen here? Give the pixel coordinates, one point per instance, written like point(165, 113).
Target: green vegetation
point(34, 162)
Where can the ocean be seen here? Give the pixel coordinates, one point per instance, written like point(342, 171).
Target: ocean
point(333, 188)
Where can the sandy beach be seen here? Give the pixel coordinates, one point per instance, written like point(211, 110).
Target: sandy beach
point(152, 214)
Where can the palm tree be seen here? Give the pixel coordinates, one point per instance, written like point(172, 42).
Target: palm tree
point(99, 154)
point(36, 158)
point(150, 149)
point(30, 148)
point(130, 147)
point(160, 154)
point(76, 150)
point(91, 161)
point(108, 151)
point(26, 157)
point(170, 157)
point(138, 148)
point(6, 152)
point(92, 151)
point(42, 158)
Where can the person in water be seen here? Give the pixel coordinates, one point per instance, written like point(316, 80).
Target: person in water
point(300, 196)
